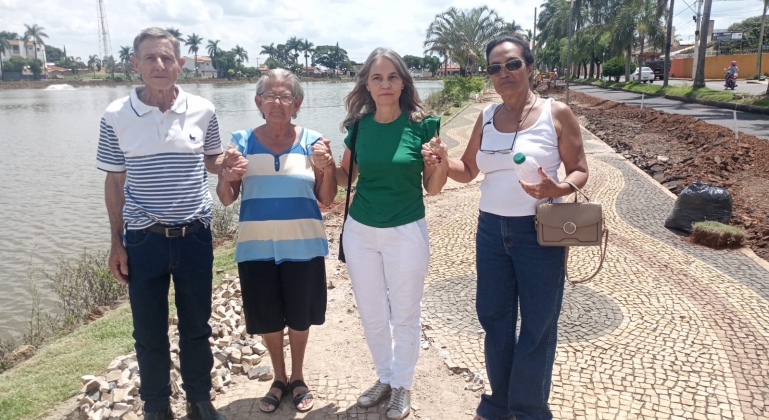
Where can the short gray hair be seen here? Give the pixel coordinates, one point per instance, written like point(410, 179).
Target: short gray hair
point(159, 33)
point(280, 75)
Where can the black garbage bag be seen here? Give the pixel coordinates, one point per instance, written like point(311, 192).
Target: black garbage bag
point(700, 202)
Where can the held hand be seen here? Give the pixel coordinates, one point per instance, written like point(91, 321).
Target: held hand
point(118, 263)
point(548, 188)
point(435, 153)
point(234, 165)
point(321, 154)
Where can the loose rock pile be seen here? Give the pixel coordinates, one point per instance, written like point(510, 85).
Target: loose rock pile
point(115, 396)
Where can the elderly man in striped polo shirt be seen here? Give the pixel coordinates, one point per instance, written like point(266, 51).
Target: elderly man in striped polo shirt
point(156, 146)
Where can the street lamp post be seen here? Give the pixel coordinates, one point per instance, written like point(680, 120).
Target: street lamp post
point(568, 49)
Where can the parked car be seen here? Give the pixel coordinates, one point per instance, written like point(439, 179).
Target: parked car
point(657, 67)
point(647, 75)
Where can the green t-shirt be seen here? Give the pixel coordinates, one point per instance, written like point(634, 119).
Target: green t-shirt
point(389, 161)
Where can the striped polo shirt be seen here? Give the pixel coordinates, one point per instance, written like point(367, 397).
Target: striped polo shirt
point(162, 154)
point(279, 215)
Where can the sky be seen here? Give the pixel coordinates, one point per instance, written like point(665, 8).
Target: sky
point(359, 26)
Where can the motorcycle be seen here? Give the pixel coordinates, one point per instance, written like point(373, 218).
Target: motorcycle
point(732, 82)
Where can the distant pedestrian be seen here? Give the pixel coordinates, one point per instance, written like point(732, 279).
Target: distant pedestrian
point(513, 269)
point(281, 241)
point(385, 237)
point(156, 145)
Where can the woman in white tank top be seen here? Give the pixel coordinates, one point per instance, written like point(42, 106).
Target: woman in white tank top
point(512, 267)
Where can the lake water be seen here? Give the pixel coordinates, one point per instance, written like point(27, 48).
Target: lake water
point(51, 194)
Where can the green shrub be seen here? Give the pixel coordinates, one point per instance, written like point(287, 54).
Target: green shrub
point(616, 68)
point(82, 283)
point(225, 222)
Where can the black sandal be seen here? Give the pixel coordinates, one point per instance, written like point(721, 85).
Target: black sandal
point(302, 395)
point(273, 399)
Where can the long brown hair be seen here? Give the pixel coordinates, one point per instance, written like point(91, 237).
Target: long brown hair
point(359, 101)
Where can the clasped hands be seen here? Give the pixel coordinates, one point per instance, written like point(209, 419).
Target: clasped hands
point(435, 153)
point(234, 165)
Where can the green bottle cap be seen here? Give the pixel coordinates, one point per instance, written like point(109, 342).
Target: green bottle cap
point(519, 158)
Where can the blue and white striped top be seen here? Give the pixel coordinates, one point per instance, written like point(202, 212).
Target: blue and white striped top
point(279, 215)
point(163, 155)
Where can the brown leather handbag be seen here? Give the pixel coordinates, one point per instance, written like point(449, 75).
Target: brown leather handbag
point(572, 224)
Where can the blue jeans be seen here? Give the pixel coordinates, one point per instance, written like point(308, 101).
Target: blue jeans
point(514, 269)
point(152, 260)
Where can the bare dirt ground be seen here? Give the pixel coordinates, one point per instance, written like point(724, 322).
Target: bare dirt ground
point(677, 150)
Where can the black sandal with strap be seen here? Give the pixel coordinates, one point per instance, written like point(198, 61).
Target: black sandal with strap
point(273, 399)
point(302, 395)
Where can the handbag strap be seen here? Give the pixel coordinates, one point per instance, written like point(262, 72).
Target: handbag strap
point(353, 140)
point(600, 264)
point(577, 192)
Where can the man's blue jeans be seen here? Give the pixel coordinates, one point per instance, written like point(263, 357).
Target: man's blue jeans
point(514, 269)
point(152, 260)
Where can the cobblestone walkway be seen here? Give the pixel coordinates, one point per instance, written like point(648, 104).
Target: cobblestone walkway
point(668, 330)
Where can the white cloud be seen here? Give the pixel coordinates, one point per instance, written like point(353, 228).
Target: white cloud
point(358, 26)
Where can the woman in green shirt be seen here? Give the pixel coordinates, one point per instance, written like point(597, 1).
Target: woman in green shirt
point(385, 237)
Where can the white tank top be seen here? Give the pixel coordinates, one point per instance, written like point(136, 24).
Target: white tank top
point(501, 194)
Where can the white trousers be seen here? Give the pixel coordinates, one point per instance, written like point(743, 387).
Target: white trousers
point(387, 268)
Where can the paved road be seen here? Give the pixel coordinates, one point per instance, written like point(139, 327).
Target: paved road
point(755, 124)
point(754, 88)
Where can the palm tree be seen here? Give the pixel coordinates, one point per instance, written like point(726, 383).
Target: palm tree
point(4, 46)
point(761, 43)
point(35, 34)
point(94, 64)
point(240, 53)
point(649, 26)
point(293, 46)
point(463, 34)
point(269, 50)
point(125, 57)
point(308, 48)
point(176, 33)
point(194, 41)
point(214, 52)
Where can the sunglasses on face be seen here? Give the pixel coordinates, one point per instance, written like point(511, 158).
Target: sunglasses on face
point(511, 66)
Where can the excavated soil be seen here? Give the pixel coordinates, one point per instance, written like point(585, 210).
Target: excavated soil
point(677, 150)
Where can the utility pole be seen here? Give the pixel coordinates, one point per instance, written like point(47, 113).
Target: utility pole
point(568, 49)
point(666, 63)
point(697, 21)
point(760, 41)
point(699, 78)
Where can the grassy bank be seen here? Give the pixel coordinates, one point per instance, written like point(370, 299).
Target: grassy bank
point(53, 374)
point(682, 91)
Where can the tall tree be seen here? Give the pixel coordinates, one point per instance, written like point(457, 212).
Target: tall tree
point(193, 41)
point(293, 46)
point(94, 64)
point(329, 56)
point(463, 34)
point(125, 57)
point(307, 49)
point(240, 53)
point(175, 32)
point(35, 34)
point(761, 43)
point(668, 40)
point(214, 52)
point(699, 78)
point(4, 46)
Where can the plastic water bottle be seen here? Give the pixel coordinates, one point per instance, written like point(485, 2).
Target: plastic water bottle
point(527, 168)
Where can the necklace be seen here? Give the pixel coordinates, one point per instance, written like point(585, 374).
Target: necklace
point(527, 114)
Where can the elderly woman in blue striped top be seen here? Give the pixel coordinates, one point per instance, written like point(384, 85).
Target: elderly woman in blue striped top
point(281, 249)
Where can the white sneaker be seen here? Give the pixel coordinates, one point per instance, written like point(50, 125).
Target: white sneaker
point(400, 404)
point(374, 395)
